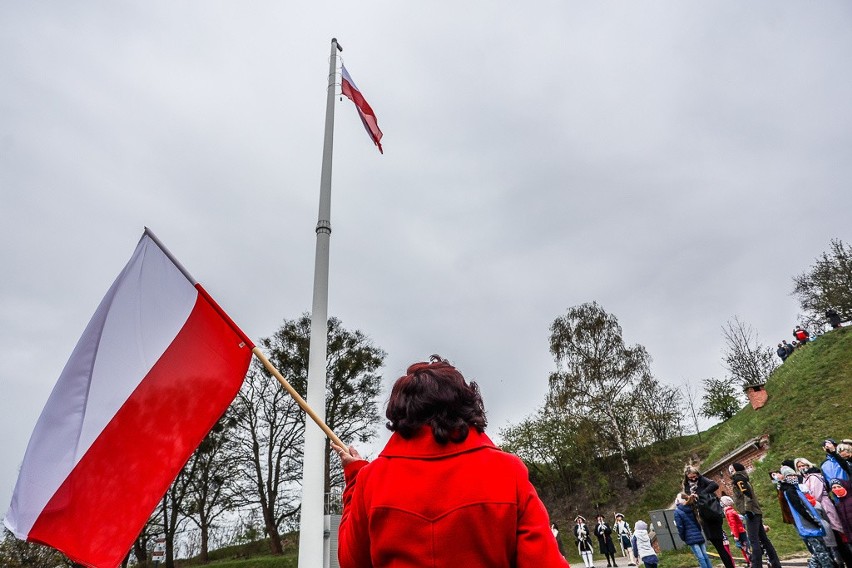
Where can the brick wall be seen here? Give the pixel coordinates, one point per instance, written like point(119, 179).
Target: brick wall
point(756, 396)
point(748, 457)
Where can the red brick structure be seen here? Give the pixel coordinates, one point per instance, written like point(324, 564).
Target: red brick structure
point(748, 454)
point(756, 395)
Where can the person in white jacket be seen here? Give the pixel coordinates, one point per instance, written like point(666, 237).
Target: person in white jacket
point(642, 548)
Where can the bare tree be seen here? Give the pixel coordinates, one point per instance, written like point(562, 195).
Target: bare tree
point(747, 360)
point(209, 490)
point(691, 396)
point(659, 410)
point(596, 371)
point(269, 433)
point(827, 284)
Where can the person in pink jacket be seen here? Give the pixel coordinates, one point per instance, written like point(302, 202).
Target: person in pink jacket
point(441, 494)
point(817, 486)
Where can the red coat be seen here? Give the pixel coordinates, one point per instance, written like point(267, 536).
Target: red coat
point(421, 503)
point(734, 521)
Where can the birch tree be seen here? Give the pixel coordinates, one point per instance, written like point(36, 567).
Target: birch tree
point(596, 372)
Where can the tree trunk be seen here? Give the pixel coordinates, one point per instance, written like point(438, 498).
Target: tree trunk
point(203, 556)
point(272, 531)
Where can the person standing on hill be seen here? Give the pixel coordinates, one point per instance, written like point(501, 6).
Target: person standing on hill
point(604, 533)
point(782, 352)
point(833, 318)
point(801, 335)
point(709, 510)
point(746, 502)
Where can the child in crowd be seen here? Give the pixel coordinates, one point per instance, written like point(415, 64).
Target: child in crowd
point(738, 530)
point(641, 544)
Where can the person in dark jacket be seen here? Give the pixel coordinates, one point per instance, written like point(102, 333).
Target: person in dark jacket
point(841, 490)
point(689, 530)
point(705, 489)
point(833, 318)
point(806, 519)
point(745, 501)
point(604, 533)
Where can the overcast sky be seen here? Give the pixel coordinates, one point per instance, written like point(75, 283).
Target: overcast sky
point(677, 162)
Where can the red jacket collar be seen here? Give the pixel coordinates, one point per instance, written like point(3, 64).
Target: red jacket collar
point(424, 446)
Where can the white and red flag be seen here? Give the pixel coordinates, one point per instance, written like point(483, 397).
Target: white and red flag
point(368, 117)
point(157, 365)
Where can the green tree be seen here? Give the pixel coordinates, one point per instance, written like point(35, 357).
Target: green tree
point(597, 373)
point(721, 398)
point(827, 284)
point(271, 426)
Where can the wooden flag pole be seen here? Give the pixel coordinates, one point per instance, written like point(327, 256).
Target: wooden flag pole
point(297, 397)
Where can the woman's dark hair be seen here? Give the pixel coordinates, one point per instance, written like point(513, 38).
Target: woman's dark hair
point(435, 394)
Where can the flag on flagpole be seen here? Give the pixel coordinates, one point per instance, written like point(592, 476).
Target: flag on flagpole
point(368, 117)
point(157, 365)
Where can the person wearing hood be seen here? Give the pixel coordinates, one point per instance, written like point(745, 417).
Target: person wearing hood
point(841, 490)
point(622, 529)
point(735, 523)
point(709, 510)
point(746, 502)
point(583, 536)
point(689, 530)
point(806, 518)
point(641, 546)
point(818, 488)
point(836, 464)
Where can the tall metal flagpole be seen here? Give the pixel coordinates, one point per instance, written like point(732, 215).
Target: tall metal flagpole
point(313, 466)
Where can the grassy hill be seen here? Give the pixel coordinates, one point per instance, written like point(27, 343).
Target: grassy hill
point(810, 396)
point(809, 400)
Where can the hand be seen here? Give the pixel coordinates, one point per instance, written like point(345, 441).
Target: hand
point(346, 455)
point(829, 447)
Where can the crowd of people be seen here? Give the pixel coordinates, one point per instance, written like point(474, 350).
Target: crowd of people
point(813, 498)
point(801, 335)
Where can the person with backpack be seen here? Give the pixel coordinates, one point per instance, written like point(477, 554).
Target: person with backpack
point(709, 510)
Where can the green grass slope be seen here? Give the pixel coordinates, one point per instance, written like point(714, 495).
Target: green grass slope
point(810, 396)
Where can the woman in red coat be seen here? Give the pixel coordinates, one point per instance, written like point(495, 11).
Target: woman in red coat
point(441, 494)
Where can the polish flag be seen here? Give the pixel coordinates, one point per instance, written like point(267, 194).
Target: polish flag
point(157, 365)
point(368, 117)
